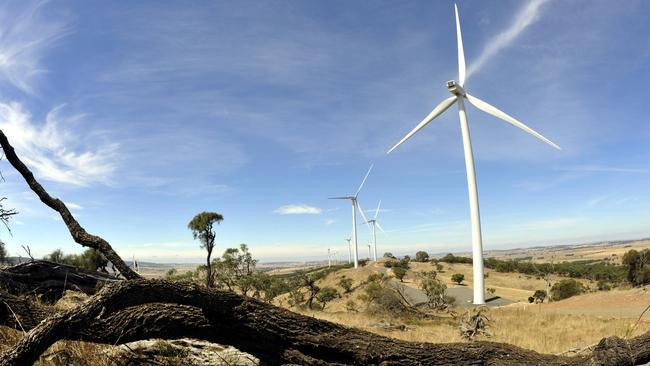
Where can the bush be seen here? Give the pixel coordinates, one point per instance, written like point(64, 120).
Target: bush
point(326, 294)
point(400, 273)
point(539, 296)
point(604, 286)
point(391, 264)
point(388, 255)
point(346, 284)
point(458, 278)
point(363, 262)
point(566, 289)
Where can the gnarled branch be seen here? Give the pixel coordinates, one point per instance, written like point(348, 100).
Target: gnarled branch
point(78, 233)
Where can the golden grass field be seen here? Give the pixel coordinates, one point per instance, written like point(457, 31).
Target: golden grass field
point(547, 328)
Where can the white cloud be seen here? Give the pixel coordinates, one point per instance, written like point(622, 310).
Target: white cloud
point(524, 18)
point(24, 36)
point(74, 206)
point(298, 209)
point(330, 222)
point(49, 148)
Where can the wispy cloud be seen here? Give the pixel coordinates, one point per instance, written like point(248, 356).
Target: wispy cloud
point(74, 206)
point(551, 223)
point(53, 150)
point(330, 222)
point(298, 209)
point(603, 169)
point(25, 35)
point(523, 19)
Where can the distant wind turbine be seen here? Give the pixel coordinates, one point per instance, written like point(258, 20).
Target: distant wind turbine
point(458, 97)
point(375, 226)
point(355, 204)
point(349, 250)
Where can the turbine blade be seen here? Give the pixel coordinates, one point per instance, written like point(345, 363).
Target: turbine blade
point(339, 198)
point(380, 228)
point(377, 210)
point(487, 108)
point(434, 113)
point(363, 214)
point(461, 52)
point(364, 180)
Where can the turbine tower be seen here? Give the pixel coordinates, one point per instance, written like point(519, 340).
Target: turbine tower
point(375, 226)
point(458, 97)
point(349, 250)
point(355, 204)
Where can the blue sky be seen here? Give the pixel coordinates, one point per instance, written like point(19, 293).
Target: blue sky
point(141, 114)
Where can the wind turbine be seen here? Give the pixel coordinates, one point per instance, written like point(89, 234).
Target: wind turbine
point(458, 97)
point(349, 250)
point(375, 226)
point(355, 204)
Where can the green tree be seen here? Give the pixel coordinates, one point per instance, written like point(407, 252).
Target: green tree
point(458, 278)
point(388, 255)
point(434, 289)
point(202, 226)
point(400, 273)
point(421, 256)
point(56, 256)
point(325, 295)
point(539, 296)
point(346, 284)
point(235, 269)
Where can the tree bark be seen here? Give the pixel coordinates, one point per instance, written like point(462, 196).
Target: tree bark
point(77, 232)
point(50, 280)
point(131, 310)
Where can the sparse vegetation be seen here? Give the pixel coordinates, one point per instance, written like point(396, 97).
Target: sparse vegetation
point(90, 259)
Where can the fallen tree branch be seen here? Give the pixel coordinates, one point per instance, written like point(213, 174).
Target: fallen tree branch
point(49, 280)
point(77, 232)
point(123, 312)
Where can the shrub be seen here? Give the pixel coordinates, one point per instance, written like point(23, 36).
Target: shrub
point(326, 294)
point(351, 306)
point(346, 284)
point(566, 289)
point(399, 272)
point(458, 278)
point(388, 255)
point(539, 296)
point(604, 285)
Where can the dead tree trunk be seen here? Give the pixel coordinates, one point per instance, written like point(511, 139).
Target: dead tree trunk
point(78, 233)
point(123, 312)
point(50, 279)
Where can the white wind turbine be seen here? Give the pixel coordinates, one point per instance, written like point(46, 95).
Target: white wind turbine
point(355, 204)
point(375, 226)
point(349, 250)
point(458, 97)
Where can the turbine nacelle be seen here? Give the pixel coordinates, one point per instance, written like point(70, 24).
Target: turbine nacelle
point(455, 88)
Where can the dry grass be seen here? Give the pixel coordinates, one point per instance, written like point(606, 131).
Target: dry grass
point(528, 327)
point(62, 353)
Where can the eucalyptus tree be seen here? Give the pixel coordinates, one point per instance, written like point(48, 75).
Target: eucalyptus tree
point(202, 226)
